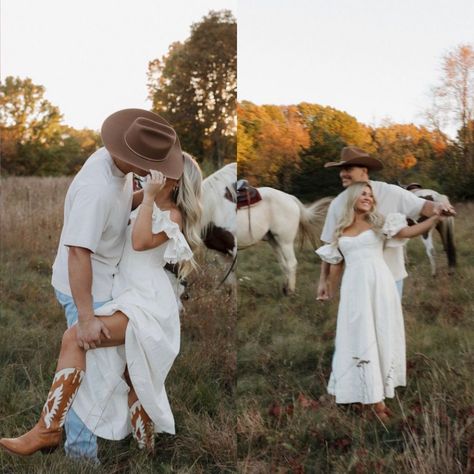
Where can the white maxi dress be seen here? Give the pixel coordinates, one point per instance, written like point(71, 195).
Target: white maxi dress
point(369, 358)
point(143, 292)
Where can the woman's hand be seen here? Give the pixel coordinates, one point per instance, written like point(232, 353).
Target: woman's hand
point(154, 183)
point(322, 291)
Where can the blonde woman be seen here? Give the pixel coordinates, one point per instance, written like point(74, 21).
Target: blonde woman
point(120, 381)
point(369, 358)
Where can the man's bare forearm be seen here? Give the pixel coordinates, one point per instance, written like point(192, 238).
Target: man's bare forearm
point(431, 208)
point(80, 281)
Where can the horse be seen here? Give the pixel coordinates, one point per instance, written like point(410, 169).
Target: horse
point(445, 228)
point(218, 222)
point(279, 218)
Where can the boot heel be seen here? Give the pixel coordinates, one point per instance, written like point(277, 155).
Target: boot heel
point(49, 449)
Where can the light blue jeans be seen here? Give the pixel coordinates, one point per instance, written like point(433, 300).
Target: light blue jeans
point(399, 284)
point(80, 441)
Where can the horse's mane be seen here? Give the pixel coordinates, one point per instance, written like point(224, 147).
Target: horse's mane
point(213, 190)
point(227, 174)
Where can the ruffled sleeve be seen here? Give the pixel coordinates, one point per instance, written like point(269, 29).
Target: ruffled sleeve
point(330, 254)
point(393, 224)
point(177, 248)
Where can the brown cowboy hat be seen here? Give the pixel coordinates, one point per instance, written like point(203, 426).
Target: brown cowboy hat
point(143, 139)
point(353, 156)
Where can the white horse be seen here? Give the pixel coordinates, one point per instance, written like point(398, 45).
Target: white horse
point(279, 218)
point(217, 223)
point(445, 228)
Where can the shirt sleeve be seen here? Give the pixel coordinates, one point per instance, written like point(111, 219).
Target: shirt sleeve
point(329, 228)
point(87, 218)
point(406, 202)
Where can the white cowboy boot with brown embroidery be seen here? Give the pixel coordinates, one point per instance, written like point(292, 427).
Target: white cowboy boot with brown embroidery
point(46, 435)
point(143, 429)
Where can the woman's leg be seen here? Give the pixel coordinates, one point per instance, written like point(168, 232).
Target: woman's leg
point(47, 433)
point(132, 395)
point(143, 429)
point(71, 355)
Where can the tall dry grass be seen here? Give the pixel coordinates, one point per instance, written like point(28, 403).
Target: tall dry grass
point(200, 385)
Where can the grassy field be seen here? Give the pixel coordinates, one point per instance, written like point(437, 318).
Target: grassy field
point(201, 385)
point(286, 422)
point(279, 419)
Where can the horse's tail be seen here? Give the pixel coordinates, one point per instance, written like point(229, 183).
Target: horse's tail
point(446, 230)
point(311, 218)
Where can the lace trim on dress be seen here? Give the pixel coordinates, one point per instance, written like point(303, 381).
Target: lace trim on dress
point(330, 253)
point(177, 248)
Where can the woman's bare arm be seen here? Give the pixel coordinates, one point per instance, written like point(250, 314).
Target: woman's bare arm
point(335, 275)
point(418, 229)
point(143, 237)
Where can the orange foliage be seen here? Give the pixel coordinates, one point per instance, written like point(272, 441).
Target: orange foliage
point(270, 141)
point(409, 161)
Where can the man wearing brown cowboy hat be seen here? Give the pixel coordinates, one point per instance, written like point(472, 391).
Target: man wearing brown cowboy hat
point(96, 213)
point(355, 165)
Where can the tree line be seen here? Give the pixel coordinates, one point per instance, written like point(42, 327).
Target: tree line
point(194, 86)
point(287, 146)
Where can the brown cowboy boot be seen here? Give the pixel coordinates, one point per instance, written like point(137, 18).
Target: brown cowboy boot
point(46, 435)
point(143, 429)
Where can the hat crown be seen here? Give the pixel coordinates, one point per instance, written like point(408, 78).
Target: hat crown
point(351, 152)
point(149, 139)
point(145, 140)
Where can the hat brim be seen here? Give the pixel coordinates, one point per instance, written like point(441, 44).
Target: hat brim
point(367, 162)
point(113, 135)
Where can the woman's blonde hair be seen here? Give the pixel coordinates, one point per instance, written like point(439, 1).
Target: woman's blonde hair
point(188, 201)
point(353, 193)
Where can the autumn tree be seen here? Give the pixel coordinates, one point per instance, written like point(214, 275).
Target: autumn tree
point(273, 137)
point(453, 96)
point(194, 86)
point(453, 103)
point(409, 152)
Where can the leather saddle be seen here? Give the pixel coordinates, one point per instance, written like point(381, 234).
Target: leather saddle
point(245, 194)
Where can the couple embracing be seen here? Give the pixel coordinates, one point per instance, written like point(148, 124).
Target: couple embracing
point(365, 230)
point(122, 315)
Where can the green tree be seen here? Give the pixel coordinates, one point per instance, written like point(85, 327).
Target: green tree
point(330, 130)
point(194, 86)
point(28, 124)
point(33, 140)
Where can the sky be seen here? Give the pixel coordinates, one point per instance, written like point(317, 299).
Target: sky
point(375, 59)
point(92, 55)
